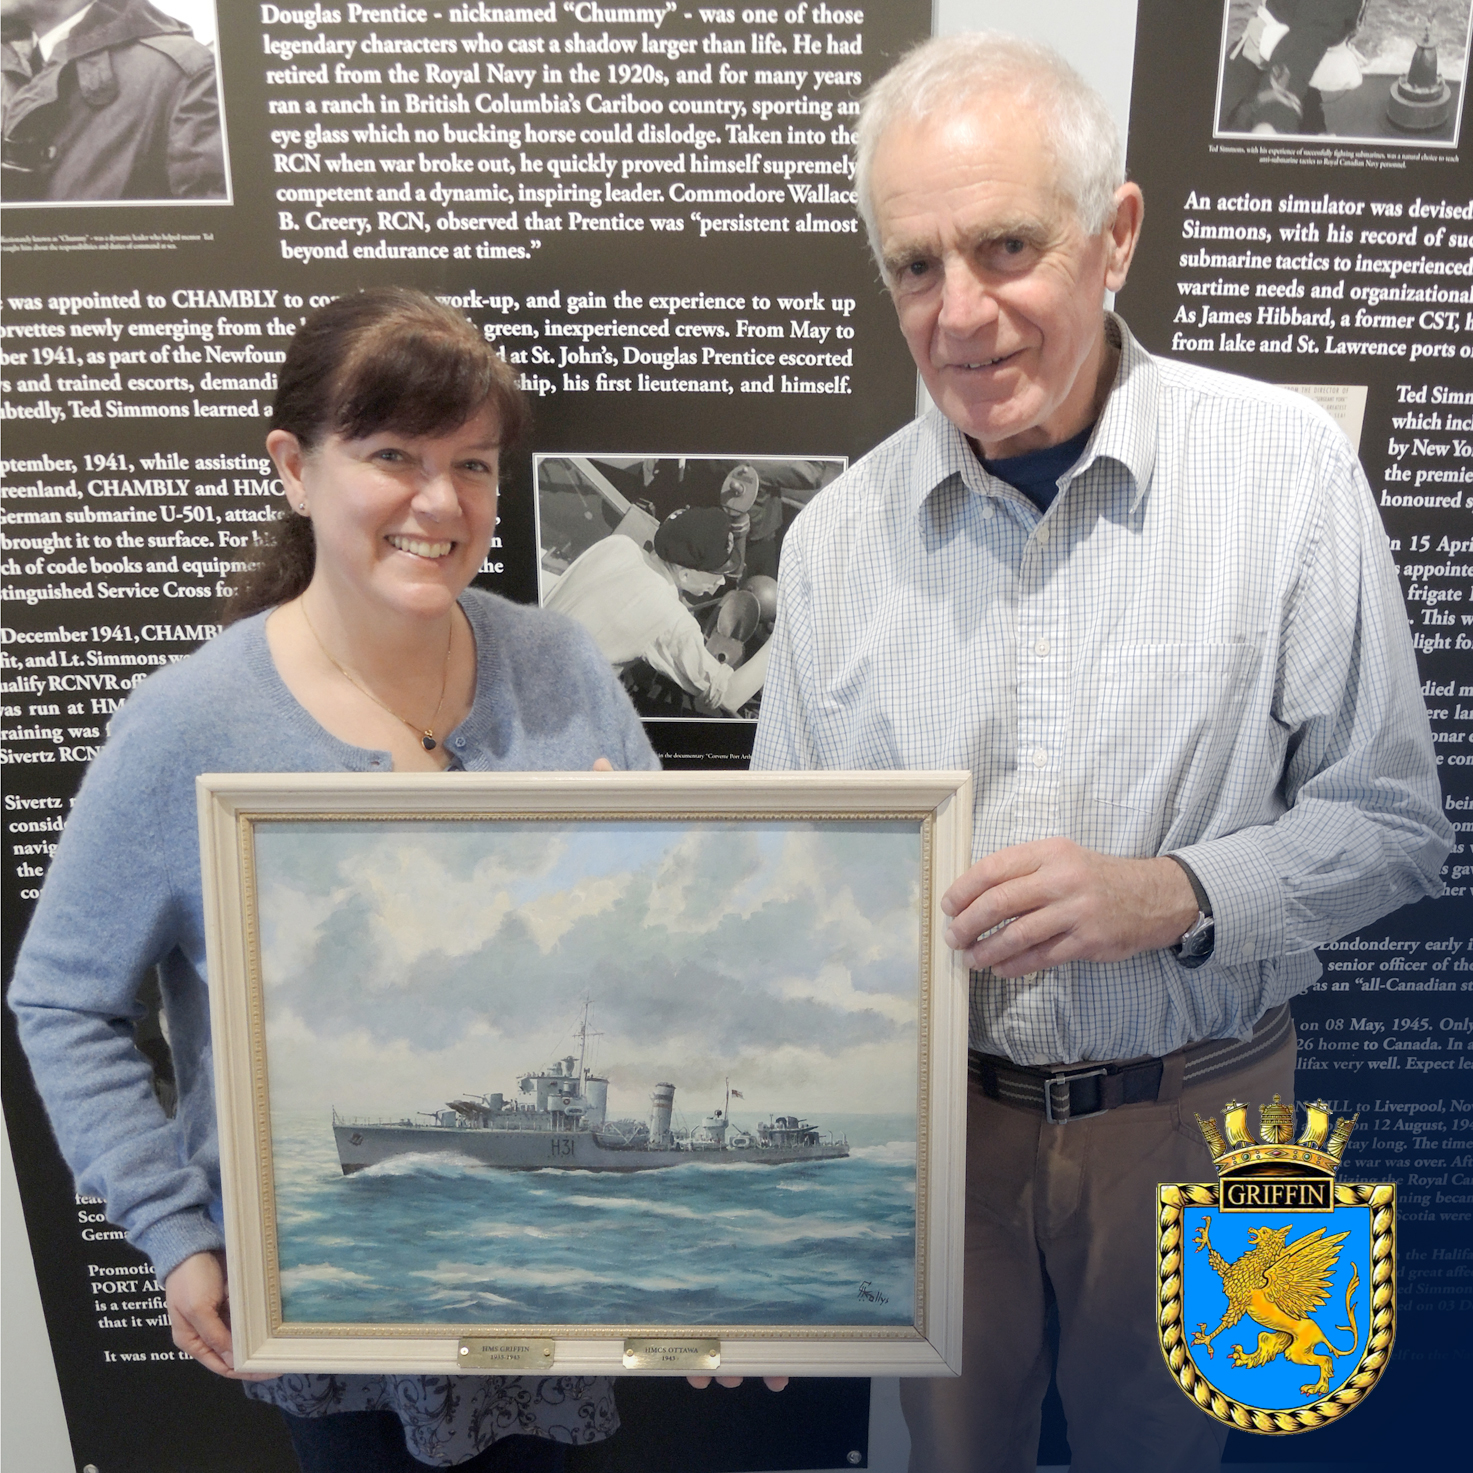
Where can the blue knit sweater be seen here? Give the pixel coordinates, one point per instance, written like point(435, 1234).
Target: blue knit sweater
point(124, 891)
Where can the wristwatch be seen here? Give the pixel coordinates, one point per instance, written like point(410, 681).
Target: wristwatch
point(1196, 944)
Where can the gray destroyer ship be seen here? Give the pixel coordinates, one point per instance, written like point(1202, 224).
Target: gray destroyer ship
point(564, 1124)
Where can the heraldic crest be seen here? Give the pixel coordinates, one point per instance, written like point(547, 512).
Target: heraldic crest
point(1275, 1251)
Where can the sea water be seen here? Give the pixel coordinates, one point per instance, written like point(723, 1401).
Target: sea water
point(436, 1238)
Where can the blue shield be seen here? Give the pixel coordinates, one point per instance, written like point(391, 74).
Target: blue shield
point(1276, 1312)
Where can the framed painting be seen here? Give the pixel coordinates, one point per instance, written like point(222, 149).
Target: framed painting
point(589, 1072)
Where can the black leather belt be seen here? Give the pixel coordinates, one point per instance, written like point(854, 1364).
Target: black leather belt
point(1067, 1092)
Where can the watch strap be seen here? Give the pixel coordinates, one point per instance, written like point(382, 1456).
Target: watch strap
point(1204, 903)
point(1199, 941)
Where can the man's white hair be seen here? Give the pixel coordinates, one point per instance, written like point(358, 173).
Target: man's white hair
point(946, 73)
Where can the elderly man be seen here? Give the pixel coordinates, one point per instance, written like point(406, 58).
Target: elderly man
point(1151, 608)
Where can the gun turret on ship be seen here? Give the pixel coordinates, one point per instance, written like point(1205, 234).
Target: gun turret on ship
point(562, 1123)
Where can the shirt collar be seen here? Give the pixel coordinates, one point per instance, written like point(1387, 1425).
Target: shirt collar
point(57, 34)
point(943, 457)
point(1127, 428)
point(1126, 431)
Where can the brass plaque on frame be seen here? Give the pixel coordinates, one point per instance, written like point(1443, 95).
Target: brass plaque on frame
point(505, 1355)
point(685, 1357)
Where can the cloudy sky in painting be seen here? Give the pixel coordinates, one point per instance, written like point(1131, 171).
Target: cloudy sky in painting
point(407, 962)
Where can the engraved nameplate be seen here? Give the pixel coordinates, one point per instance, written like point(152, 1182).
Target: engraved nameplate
point(684, 1357)
point(505, 1355)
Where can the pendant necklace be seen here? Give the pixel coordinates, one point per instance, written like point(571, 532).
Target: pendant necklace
point(426, 734)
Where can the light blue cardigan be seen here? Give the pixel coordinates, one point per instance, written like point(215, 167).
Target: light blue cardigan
point(124, 893)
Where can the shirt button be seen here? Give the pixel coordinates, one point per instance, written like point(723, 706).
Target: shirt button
point(1041, 648)
point(460, 741)
point(988, 510)
point(1041, 536)
point(1040, 757)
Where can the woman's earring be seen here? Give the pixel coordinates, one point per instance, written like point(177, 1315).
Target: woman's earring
point(302, 507)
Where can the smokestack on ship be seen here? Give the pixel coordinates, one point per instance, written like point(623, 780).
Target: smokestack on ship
point(662, 1101)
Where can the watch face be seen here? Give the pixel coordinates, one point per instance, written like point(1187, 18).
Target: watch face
point(1198, 941)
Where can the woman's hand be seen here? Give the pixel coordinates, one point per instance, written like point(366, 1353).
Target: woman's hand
point(772, 1383)
point(198, 1299)
point(602, 765)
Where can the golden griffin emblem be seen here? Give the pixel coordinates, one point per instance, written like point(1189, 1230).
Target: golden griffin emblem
point(1278, 1286)
point(1272, 1242)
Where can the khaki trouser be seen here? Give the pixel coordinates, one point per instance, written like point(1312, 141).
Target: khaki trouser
point(1073, 1207)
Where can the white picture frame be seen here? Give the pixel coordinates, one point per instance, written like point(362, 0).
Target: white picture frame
point(288, 861)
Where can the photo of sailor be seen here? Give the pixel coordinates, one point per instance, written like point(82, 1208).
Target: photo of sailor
point(670, 562)
point(1367, 71)
point(108, 102)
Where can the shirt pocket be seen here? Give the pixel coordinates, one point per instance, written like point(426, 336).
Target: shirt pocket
point(1169, 720)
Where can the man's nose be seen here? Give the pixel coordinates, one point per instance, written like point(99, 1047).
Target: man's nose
point(967, 304)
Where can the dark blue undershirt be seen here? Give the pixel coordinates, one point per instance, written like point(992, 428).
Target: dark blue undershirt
point(1036, 473)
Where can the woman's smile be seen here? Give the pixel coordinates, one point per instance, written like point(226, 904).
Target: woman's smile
point(418, 546)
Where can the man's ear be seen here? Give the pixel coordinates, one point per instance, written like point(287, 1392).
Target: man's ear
point(1122, 233)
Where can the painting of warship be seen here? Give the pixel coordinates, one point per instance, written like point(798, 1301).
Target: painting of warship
point(490, 1043)
point(564, 1125)
point(520, 1066)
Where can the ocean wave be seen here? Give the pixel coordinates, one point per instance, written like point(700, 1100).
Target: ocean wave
point(456, 1293)
point(682, 1213)
point(835, 1230)
point(424, 1163)
point(572, 1276)
point(289, 1214)
point(637, 1204)
point(898, 1153)
point(308, 1274)
point(502, 1231)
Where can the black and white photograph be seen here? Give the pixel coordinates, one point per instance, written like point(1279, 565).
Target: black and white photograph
point(1357, 71)
point(111, 102)
point(670, 563)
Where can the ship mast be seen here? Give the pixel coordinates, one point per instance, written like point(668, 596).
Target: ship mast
point(583, 1040)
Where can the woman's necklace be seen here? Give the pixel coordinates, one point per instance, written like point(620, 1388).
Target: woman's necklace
point(426, 733)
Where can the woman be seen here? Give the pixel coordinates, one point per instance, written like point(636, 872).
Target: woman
point(357, 646)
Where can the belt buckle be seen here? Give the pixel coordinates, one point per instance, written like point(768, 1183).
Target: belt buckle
point(1065, 1078)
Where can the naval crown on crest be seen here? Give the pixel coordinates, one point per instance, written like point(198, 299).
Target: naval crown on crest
point(1276, 1171)
point(1276, 1131)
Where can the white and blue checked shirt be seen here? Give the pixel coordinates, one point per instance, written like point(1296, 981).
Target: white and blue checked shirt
point(1200, 648)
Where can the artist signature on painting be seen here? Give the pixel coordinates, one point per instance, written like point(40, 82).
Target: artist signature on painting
point(871, 1295)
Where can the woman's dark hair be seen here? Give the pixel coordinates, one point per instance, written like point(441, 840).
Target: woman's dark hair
point(389, 358)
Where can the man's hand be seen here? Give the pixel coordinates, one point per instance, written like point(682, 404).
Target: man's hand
point(198, 1300)
point(772, 1383)
point(1056, 902)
